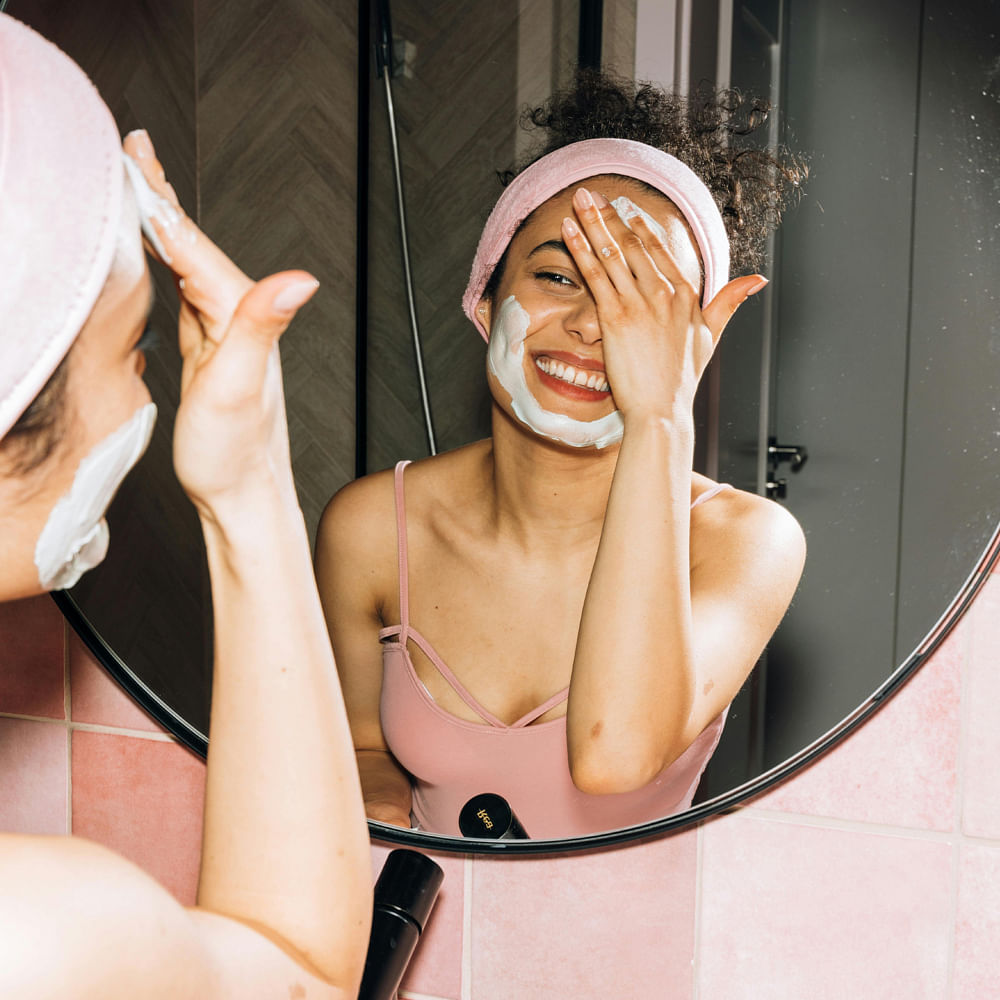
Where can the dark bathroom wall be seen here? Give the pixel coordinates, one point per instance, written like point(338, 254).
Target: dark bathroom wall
point(473, 66)
point(276, 117)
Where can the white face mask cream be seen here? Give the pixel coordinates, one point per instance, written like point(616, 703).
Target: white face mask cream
point(506, 361)
point(628, 209)
point(151, 206)
point(75, 537)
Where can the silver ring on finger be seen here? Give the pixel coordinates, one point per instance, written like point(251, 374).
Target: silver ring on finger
point(606, 252)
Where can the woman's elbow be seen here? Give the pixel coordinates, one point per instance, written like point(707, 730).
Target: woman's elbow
point(601, 772)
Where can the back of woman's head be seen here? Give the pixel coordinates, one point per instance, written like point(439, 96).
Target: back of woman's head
point(61, 197)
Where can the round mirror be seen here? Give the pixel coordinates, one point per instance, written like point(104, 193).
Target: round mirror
point(875, 351)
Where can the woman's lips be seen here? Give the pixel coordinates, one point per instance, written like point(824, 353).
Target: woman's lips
point(577, 378)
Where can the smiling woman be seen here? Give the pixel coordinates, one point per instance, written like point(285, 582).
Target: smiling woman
point(594, 604)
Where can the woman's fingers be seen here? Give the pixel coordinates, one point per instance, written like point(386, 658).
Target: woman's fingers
point(206, 277)
point(719, 311)
point(607, 257)
point(260, 318)
point(654, 241)
point(593, 273)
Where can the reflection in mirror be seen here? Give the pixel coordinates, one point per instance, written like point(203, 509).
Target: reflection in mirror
point(573, 541)
point(873, 347)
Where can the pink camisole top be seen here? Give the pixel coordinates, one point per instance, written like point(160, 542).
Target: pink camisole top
point(451, 759)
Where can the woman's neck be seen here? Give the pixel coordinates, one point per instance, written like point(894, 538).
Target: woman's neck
point(547, 493)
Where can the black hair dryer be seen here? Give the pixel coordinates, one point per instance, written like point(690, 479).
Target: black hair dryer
point(490, 817)
point(404, 894)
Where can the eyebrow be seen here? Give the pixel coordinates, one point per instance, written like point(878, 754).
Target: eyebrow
point(551, 245)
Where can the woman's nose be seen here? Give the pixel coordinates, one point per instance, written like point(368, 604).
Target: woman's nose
point(582, 321)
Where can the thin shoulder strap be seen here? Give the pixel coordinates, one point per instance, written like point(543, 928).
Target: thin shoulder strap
point(404, 584)
point(535, 713)
point(708, 494)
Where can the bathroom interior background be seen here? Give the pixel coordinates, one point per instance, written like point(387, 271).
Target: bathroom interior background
point(901, 823)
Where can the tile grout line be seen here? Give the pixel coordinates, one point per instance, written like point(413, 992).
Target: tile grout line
point(964, 711)
point(68, 713)
point(857, 826)
point(93, 727)
point(465, 985)
point(698, 876)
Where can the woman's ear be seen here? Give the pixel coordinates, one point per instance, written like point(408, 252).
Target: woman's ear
point(484, 312)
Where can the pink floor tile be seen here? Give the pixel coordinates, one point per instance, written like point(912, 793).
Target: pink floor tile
point(436, 967)
point(791, 911)
point(31, 658)
point(977, 927)
point(34, 771)
point(144, 799)
point(614, 923)
point(981, 771)
point(97, 699)
point(900, 767)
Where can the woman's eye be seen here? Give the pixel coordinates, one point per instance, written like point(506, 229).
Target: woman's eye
point(149, 339)
point(554, 278)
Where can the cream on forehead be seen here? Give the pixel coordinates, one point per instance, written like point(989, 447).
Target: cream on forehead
point(505, 358)
point(628, 209)
point(151, 206)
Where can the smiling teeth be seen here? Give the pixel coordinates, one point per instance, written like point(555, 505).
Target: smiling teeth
point(575, 376)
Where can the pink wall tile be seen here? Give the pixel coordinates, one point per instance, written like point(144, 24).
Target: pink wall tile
point(981, 771)
point(143, 799)
point(31, 658)
point(34, 772)
point(900, 767)
point(436, 966)
point(977, 928)
point(615, 923)
point(96, 698)
point(792, 911)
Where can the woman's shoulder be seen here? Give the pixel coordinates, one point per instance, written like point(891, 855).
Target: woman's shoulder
point(48, 882)
point(728, 516)
point(362, 514)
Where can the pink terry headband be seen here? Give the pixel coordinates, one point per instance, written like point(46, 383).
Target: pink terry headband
point(61, 184)
point(589, 158)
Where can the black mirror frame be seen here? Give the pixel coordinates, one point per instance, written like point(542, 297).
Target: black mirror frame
point(198, 742)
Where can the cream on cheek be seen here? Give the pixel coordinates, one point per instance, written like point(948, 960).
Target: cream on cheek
point(506, 361)
point(75, 536)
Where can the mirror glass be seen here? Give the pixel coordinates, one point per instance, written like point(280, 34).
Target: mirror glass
point(875, 350)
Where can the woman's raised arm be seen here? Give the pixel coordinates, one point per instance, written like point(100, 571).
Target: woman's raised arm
point(669, 629)
point(285, 849)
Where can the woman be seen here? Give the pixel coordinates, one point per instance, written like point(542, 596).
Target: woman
point(590, 605)
point(284, 893)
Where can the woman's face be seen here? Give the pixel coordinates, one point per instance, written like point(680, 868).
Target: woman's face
point(562, 344)
point(103, 392)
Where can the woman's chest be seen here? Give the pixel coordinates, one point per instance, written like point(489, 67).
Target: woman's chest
point(505, 628)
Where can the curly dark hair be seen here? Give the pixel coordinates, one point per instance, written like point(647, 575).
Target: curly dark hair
point(708, 131)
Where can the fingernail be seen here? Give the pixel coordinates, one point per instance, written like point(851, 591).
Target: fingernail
point(756, 288)
point(292, 296)
point(600, 201)
point(144, 145)
point(569, 227)
point(583, 199)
